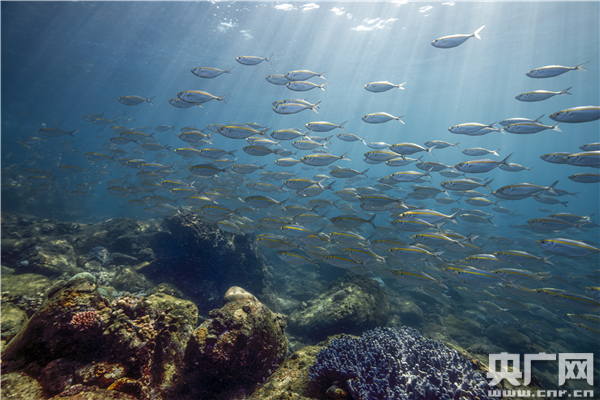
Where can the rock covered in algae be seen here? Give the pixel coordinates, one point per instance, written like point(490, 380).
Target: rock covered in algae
point(239, 346)
point(78, 342)
point(351, 306)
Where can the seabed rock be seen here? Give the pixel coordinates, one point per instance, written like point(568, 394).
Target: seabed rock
point(238, 347)
point(351, 306)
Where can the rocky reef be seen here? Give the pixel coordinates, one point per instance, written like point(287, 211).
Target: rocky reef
point(135, 256)
point(146, 348)
point(177, 309)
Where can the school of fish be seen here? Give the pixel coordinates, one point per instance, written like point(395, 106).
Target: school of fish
point(313, 209)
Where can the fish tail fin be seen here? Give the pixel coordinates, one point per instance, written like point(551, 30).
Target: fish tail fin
point(504, 162)
point(430, 150)
point(228, 71)
point(476, 33)
point(364, 173)
point(149, 100)
point(550, 189)
point(322, 87)
point(495, 152)
point(545, 260)
point(456, 145)
point(220, 98)
point(486, 185)
point(343, 156)
point(315, 108)
point(539, 119)
point(400, 86)
point(320, 75)
point(371, 221)
point(566, 91)
point(428, 171)
point(556, 128)
point(327, 139)
point(264, 132)
point(490, 220)
point(342, 125)
point(268, 58)
point(454, 217)
point(564, 203)
point(400, 119)
point(580, 66)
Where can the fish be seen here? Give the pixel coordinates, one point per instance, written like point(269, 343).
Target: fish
point(277, 79)
point(413, 253)
point(479, 151)
point(349, 137)
point(551, 224)
point(252, 60)
point(429, 216)
point(297, 231)
point(409, 148)
point(345, 173)
point(553, 70)
point(584, 159)
point(556, 158)
point(480, 166)
point(381, 155)
point(293, 108)
point(295, 258)
point(55, 132)
point(539, 95)
point(323, 159)
point(520, 257)
point(300, 86)
point(199, 96)
point(302, 75)
point(239, 132)
point(205, 170)
point(287, 134)
point(588, 177)
point(134, 100)
point(259, 151)
point(509, 121)
point(208, 72)
point(525, 189)
point(577, 114)
point(352, 221)
point(176, 102)
point(440, 144)
point(465, 184)
point(470, 128)
point(513, 167)
point(382, 86)
point(448, 42)
point(381, 117)
point(323, 126)
point(530, 127)
point(567, 247)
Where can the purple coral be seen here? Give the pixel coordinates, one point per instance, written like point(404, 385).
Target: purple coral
point(85, 320)
point(398, 364)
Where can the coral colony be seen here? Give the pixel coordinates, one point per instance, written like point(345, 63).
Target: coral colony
point(85, 320)
point(398, 364)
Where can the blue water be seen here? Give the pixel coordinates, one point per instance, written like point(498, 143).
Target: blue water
point(62, 61)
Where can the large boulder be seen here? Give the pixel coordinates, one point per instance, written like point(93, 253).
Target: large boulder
point(352, 305)
point(238, 347)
